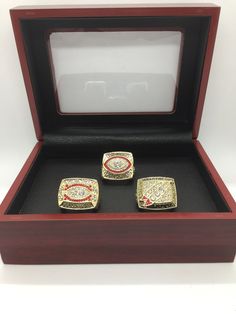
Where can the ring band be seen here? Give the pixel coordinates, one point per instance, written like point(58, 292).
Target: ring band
point(156, 193)
point(118, 166)
point(78, 194)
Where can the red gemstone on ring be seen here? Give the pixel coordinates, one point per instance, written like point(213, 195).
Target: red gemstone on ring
point(106, 164)
point(88, 197)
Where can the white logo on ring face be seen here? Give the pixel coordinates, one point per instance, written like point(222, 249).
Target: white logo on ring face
point(77, 192)
point(117, 164)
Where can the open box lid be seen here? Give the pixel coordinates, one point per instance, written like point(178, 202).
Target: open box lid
point(132, 70)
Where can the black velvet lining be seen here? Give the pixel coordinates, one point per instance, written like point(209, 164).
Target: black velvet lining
point(196, 191)
point(36, 34)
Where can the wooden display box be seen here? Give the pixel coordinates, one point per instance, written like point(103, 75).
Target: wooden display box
point(33, 230)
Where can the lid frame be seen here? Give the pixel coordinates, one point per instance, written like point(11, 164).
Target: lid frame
point(24, 13)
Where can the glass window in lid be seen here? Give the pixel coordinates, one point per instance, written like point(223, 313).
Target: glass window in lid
point(115, 71)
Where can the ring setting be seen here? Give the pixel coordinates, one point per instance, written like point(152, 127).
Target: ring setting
point(78, 194)
point(118, 166)
point(156, 193)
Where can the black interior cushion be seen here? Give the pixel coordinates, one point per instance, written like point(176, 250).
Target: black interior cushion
point(195, 189)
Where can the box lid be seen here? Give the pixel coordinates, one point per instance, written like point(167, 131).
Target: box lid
point(130, 70)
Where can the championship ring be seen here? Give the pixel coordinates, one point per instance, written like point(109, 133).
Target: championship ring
point(118, 166)
point(156, 193)
point(78, 194)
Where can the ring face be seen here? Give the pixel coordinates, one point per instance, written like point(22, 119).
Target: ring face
point(78, 194)
point(118, 166)
point(156, 193)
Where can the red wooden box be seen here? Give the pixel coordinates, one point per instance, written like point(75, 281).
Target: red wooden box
point(33, 230)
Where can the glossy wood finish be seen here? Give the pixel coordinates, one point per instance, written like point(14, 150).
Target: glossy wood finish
point(206, 72)
point(216, 177)
point(118, 241)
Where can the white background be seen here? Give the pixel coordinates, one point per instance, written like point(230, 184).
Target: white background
point(190, 288)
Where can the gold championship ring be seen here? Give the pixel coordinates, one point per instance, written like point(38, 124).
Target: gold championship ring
point(118, 166)
point(78, 194)
point(156, 193)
